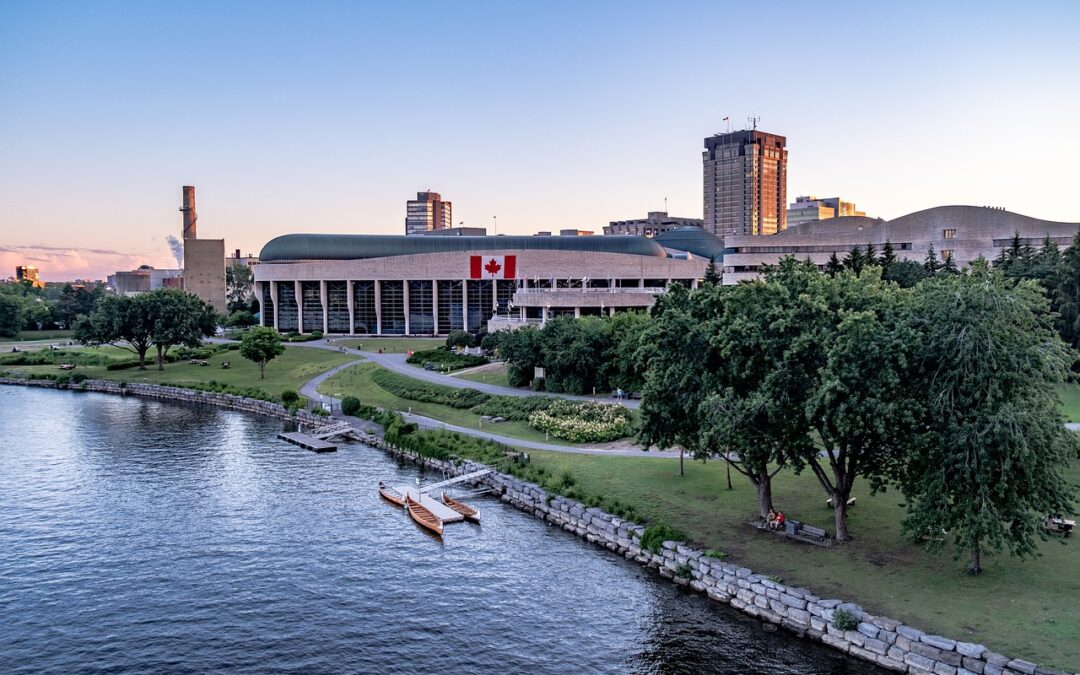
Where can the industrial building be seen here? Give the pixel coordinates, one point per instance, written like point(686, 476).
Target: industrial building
point(963, 233)
point(651, 225)
point(144, 279)
point(204, 259)
point(400, 285)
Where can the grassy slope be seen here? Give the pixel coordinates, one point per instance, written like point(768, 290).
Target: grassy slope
point(495, 376)
point(30, 335)
point(356, 381)
point(1070, 401)
point(1025, 609)
point(392, 345)
point(288, 371)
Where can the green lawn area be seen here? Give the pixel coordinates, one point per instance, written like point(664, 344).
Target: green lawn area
point(356, 381)
point(1070, 401)
point(30, 335)
point(1027, 609)
point(288, 371)
point(392, 345)
point(494, 375)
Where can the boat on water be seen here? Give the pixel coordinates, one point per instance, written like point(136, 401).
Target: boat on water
point(390, 493)
point(470, 513)
point(423, 516)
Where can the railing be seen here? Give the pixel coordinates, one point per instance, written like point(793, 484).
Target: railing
point(651, 290)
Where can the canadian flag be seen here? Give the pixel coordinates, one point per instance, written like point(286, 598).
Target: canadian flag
point(493, 267)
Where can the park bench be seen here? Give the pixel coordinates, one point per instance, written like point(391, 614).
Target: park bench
point(67, 366)
point(799, 531)
point(1058, 525)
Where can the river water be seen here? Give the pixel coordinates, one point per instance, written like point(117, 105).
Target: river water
point(139, 536)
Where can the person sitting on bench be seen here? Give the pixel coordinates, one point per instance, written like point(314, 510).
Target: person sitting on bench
point(779, 520)
point(225, 365)
point(770, 520)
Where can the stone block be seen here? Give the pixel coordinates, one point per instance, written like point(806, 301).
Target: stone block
point(868, 629)
point(876, 646)
point(697, 585)
point(836, 642)
point(817, 623)
point(718, 595)
point(965, 671)
point(903, 643)
point(995, 659)
point(991, 669)
point(777, 606)
point(920, 663)
point(885, 622)
point(1021, 666)
point(855, 637)
point(896, 653)
point(792, 601)
point(742, 572)
point(944, 669)
point(974, 665)
point(761, 601)
point(669, 545)
point(970, 649)
point(910, 633)
point(926, 650)
point(828, 604)
point(891, 664)
point(800, 616)
point(939, 642)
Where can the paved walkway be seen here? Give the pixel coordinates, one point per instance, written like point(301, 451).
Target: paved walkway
point(310, 390)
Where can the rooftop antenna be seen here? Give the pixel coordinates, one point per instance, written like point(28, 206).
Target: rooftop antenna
point(753, 122)
point(665, 204)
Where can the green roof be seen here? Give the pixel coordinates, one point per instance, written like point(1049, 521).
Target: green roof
point(692, 240)
point(297, 247)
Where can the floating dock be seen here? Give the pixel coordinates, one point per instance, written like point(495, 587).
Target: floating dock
point(308, 442)
point(444, 512)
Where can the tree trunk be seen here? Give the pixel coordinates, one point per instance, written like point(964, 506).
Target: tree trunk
point(262, 370)
point(840, 502)
point(728, 463)
point(764, 495)
point(142, 359)
point(682, 472)
point(975, 564)
point(160, 359)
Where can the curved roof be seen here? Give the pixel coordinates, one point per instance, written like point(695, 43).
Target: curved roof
point(692, 240)
point(297, 247)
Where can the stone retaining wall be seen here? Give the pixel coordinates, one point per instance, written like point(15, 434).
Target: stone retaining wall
point(878, 639)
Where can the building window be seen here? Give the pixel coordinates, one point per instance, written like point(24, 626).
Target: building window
point(337, 296)
point(364, 306)
point(450, 316)
point(393, 307)
point(946, 253)
point(949, 234)
point(421, 309)
point(311, 299)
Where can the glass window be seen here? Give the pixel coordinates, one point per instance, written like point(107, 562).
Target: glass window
point(312, 302)
point(337, 296)
point(287, 311)
point(450, 311)
point(393, 308)
point(364, 307)
point(949, 234)
point(421, 309)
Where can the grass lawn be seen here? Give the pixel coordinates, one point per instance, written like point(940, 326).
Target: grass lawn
point(392, 345)
point(1026, 609)
point(495, 375)
point(30, 335)
point(356, 381)
point(288, 371)
point(1070, 401)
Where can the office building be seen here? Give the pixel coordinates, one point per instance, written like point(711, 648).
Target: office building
point(401, 285)
point(144, 279)
point(963, 233)
point(810, 208)
point(204, 259)
point(427, 212)
point(651, 225)
point(28, 273)
point(745, 183)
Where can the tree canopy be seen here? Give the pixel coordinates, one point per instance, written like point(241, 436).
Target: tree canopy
point(261, 344)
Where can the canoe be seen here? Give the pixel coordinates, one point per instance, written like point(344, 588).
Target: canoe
point(390, 494)
point(422, 515)
point(464, 509)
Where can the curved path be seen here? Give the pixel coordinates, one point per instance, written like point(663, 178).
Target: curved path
point(310, 390)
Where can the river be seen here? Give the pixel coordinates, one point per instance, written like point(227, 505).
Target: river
point(140, 536)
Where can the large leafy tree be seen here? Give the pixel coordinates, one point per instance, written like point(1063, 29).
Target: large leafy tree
point(623, 334)
point(179, 318)
point(239, 287)
point(853, 349)
point(571, 351)
point(988, 461)
point(122, 321)
point(12, 314)
point(262, 345)
point(75, 301)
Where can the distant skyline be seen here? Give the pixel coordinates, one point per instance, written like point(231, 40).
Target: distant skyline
point(328, 116)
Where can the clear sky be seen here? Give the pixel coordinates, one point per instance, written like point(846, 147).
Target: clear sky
point(328, 116)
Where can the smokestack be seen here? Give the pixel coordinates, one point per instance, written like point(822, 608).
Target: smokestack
point(237, 254)
point(190, 216)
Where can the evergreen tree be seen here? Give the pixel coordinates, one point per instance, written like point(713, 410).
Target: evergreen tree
point(950, 266)
point(834, 266)
point(1067, 294)
point(871, 254)
point(931, 264)
point(888, 257)
point(854, 260)
point(712, 276)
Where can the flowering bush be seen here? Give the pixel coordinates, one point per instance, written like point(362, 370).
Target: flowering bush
point(583, 421)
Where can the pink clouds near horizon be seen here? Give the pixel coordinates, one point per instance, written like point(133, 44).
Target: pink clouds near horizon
point(60, 263)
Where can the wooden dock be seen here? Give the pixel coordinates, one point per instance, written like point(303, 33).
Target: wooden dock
point(308, 442)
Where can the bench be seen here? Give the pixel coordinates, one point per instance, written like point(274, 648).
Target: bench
point(850, 502)
point(813, 532)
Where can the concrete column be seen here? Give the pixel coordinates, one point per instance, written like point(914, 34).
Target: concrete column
point(352, 307)
point(378, 307)
point(668, 282)
point(325, 309)
point(694, 284)
point(298, 291)
point(577, 312)
point(641, 282)
point(274, 298)
point(544, 315)
point(611, 311)
point(260, 293)
point(405, 298)
point(465, 304)
point(435, 306)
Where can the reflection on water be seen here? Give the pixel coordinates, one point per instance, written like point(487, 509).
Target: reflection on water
point(141, 536)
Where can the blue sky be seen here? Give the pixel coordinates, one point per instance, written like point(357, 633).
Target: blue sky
point(327, 116)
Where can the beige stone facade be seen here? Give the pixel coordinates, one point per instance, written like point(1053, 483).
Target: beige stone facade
point(204, 271)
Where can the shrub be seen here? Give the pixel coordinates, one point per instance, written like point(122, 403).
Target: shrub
point(844, 619)
point(683, 571)
point(350, 405)
point(320, 412)
point(583, 421)
point(186, 353)
point(459, 338)
point(513, 407)
point(446, 358)
point(415, 390)
point(124, 365)
point(655, 535)
point(719, 555)
point(79, 378)
point(290, 397)
point(316, 335)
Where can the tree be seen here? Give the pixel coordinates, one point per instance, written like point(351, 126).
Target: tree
point(179, 318)
point(905, 273)
point(75, 301)
point(521, 350)
point(571, 352)
point(854, 355)
point(674, 354)
point(239, 286)
point(855, 260)
point(834, 266)
point(887, 259)
point(1067, 294)
point(241, 318)
point(262, 345)
point(12, 316)
point(121, 321)
point(870, 257)
point(712, 276)
point(623, 333)
point(459, 338)
point(988, 461)
point(931, 265)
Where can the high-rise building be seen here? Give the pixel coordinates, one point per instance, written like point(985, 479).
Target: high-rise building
point(28, 273)
point(809, 209)
point(427, 212)
point(745, 183)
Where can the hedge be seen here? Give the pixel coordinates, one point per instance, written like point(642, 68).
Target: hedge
point(446, 358)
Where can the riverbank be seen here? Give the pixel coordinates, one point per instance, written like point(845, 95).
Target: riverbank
point(881, 640)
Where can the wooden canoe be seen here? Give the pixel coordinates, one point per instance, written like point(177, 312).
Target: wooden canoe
point(464, 509)
point(390, 494)
point(423, 516)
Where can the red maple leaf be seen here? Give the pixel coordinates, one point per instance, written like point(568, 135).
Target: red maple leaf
point(492, 267)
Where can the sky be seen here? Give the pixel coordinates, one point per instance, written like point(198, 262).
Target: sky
point(328, 116)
